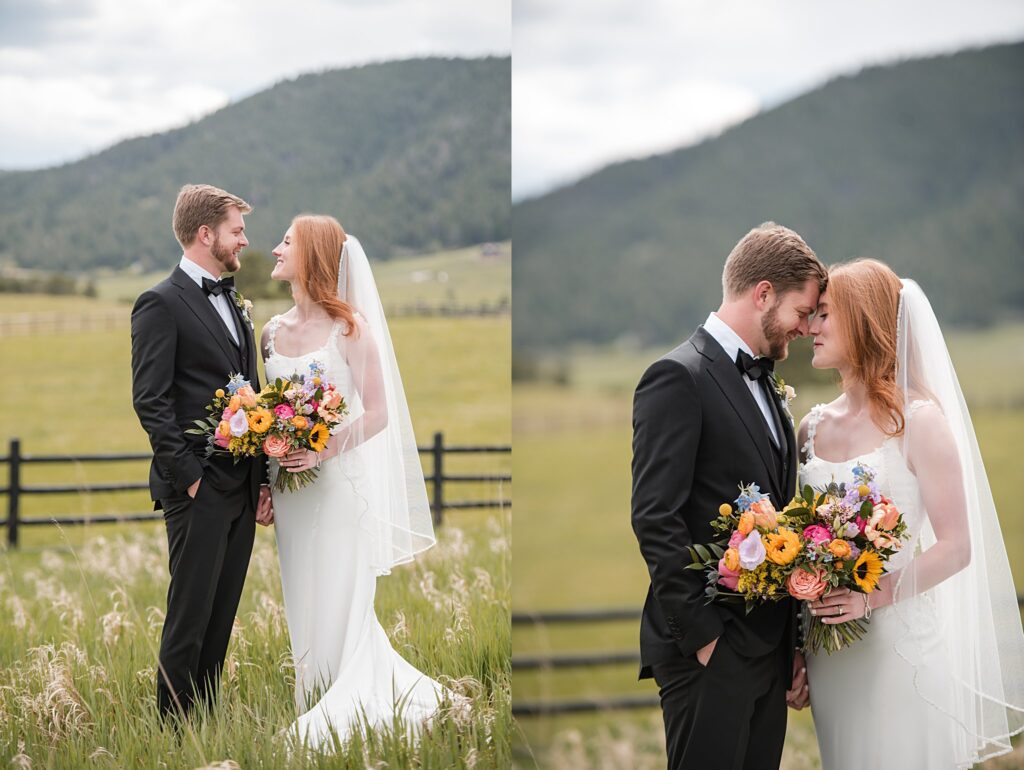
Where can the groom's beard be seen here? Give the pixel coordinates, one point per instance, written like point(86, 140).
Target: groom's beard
point(227, 260)
point(776, 337)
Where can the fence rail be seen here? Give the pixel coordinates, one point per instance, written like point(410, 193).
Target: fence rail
point(546, 662)
point(16, 489)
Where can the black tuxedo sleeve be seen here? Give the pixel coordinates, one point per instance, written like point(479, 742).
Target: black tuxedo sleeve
point(154, 340)
point(666, 434)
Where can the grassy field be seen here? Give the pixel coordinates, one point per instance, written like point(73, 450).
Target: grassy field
point(575, 547)
point(81, 608)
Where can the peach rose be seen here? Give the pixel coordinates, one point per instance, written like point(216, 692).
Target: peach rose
point(890, 515)
point(805, 585)
point(275, 446)
point(764, 514)
point(247, 395)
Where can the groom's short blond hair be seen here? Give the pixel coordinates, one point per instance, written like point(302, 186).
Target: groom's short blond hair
point(774, 253)
point(202, 204)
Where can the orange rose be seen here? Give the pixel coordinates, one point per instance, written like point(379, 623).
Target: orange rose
point(235, 403)
point(805, 585)
point(839, 548)
point(746, 524)
point(300, 422)
point(275, 446)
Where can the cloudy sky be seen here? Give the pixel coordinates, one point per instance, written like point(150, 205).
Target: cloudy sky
point(79, 75)
point(601, 80)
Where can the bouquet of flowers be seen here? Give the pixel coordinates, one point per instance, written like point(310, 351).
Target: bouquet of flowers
point(839, 537)
point(287, 414)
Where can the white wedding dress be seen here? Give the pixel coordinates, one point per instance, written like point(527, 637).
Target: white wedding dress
point(867, 699)
point(326, 541)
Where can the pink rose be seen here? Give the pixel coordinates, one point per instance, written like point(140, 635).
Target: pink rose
point(727, 577)
point(735, 539)
point(275, 446)
point(817, 534)
point(284, 411)
point(805, 585)
point(221, 440)
point(227, 414)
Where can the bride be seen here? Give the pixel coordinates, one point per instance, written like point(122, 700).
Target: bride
point(367, 510)
point(938, 680)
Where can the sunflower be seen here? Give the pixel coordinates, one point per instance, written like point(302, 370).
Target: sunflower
point(318, 437)
point(260, 420)
point(782, 547)
point(867, 570)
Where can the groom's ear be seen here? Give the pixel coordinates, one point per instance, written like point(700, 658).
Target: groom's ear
point(763, 295)
point(204, 235)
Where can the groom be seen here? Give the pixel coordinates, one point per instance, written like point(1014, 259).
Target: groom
point(190, 332)
point(706, 417)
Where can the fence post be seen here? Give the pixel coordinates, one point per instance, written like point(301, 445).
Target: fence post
point(12, 496)
point(438, 503)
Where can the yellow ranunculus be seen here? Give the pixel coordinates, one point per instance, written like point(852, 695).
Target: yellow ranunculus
point(260, 420)
point(732, 559)
point(781, 547)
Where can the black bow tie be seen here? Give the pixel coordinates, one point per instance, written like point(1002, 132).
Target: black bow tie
point(219, 287)
point(754, 368)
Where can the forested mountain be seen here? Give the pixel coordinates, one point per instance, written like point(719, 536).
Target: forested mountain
point(920, 164)
point(410, 156)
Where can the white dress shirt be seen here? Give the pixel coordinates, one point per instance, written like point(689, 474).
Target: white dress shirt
point(732, 343)
point(219, 301)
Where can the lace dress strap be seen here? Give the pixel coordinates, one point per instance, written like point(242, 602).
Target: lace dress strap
point(917, 404)
point(813, 418)
point(332, 338)
point(272, 325)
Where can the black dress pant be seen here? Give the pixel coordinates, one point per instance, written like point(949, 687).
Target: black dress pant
point(729, 715)
point(210, 541)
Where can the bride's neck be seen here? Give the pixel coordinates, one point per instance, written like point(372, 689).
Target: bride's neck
point(856, 394)
point(306, 308)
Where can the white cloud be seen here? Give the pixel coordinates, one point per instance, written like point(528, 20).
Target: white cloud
point(111, 69)
point(598, 80)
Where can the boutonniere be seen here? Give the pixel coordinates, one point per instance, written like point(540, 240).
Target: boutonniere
point(785, 392)
point(245, 305)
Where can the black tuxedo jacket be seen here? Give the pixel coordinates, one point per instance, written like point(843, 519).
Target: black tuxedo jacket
point(698, 433)
point(181, 353)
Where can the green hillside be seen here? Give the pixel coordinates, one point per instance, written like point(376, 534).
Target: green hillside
point(920, 164)
point(412, 156)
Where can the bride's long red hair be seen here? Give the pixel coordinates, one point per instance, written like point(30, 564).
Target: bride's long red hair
point(864, 300)
point(318, 241)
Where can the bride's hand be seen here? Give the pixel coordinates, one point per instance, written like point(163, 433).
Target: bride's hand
point(300, 460)
point(839, 606)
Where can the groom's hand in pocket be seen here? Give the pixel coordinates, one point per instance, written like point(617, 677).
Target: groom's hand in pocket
point(265, 507)
point(704, 653)
point(798, 695)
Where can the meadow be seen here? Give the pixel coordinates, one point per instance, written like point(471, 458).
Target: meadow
point(575, 547)
point(81, 607)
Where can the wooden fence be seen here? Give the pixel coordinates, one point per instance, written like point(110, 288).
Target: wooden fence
point(16, 489)
point(550, 662)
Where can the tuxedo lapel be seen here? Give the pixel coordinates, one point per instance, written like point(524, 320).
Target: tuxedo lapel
point(786, 440)
point(196, 301)
point(727, 377)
